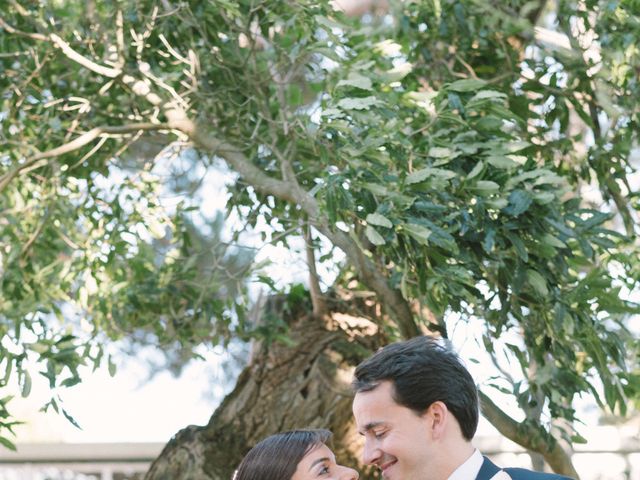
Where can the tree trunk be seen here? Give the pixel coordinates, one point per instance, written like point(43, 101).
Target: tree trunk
point(285, 386)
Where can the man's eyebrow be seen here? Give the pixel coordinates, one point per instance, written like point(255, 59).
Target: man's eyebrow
point(369, 426)
point(319, 460)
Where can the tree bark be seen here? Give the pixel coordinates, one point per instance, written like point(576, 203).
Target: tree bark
point(285, 386)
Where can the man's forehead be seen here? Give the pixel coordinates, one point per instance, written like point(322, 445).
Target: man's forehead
point(370, 410)
point(382, 393)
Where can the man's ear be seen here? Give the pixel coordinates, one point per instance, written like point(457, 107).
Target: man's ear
point(437, 417)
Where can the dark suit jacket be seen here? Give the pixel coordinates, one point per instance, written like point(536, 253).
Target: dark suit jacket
point(489, 469)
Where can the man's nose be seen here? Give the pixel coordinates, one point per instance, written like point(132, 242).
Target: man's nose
point(370, 454)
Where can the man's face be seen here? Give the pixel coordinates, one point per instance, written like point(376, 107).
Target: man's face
point(397, 440)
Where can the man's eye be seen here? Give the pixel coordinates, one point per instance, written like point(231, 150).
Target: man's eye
point(379, 434)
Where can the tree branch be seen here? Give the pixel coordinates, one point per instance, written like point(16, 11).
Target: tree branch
point(317, 298)
point(77, 143)
point(66, 49)
point(396, 305)
point(527, 436)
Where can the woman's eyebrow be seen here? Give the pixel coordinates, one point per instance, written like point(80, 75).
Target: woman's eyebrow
point(317, 461)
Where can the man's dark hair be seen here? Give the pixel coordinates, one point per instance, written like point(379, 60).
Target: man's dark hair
point(422, 372)
point(277, 457)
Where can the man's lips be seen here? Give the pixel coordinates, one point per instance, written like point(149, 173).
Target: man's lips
point(386, 465)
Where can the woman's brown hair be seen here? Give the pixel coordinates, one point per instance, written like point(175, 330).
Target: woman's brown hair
point(277, 457)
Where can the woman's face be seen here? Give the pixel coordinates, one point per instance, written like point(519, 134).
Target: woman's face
point(320, 463)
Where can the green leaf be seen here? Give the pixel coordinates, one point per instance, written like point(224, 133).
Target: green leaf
point(501, 161)
point(376, 189)
point(518, 244)
point(111, 366)
point(358, 103)
point(8, 444)
point(467, 85)
point(397, 73)
point(71, 419)
point(373, 236)
point(487, 95)
point(544, 198)
point(294, 95)
point(475, 171)
point(538, 282)
point(418, 232)
point(552, 241)
point(486, 187)
point(578, 439)
point(379, 220)
point(516, 146)
point(356, 80)
point(39, 347)
point(440, 152)
point(541, 176)
point(26, 384)
point(519, 202)
point(425, 173)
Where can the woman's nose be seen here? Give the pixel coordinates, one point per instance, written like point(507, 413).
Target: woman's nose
point(349, 474)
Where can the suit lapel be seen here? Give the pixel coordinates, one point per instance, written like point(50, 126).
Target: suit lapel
point(487, 471)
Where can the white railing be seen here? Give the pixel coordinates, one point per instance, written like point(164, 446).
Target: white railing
point(80, 461)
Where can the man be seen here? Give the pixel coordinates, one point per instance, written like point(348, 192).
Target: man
point(417, 407)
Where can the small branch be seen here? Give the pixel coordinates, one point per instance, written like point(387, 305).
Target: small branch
point(66, 50)
point(317, 298)
point(622, 204)
point(146, 71)
point(90, 153)
point(35, 235)
point(120, 38)
point(19, 33)
point(467, 66)
point(499, 367)
point(77, 143)
point(82, 60)
point(173, 51)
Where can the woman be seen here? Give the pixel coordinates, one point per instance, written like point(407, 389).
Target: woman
point(294, 455)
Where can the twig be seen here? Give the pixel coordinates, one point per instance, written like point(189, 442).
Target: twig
point(317, 298)
point(66, 49)
point(27, 246)
point(467, 66)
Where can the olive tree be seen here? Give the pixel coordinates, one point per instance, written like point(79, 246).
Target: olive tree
point(470, 159)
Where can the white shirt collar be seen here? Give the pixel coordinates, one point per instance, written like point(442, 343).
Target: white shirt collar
point(470, 468)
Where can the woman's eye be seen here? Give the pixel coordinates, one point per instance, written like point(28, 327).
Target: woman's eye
point(324, 470)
